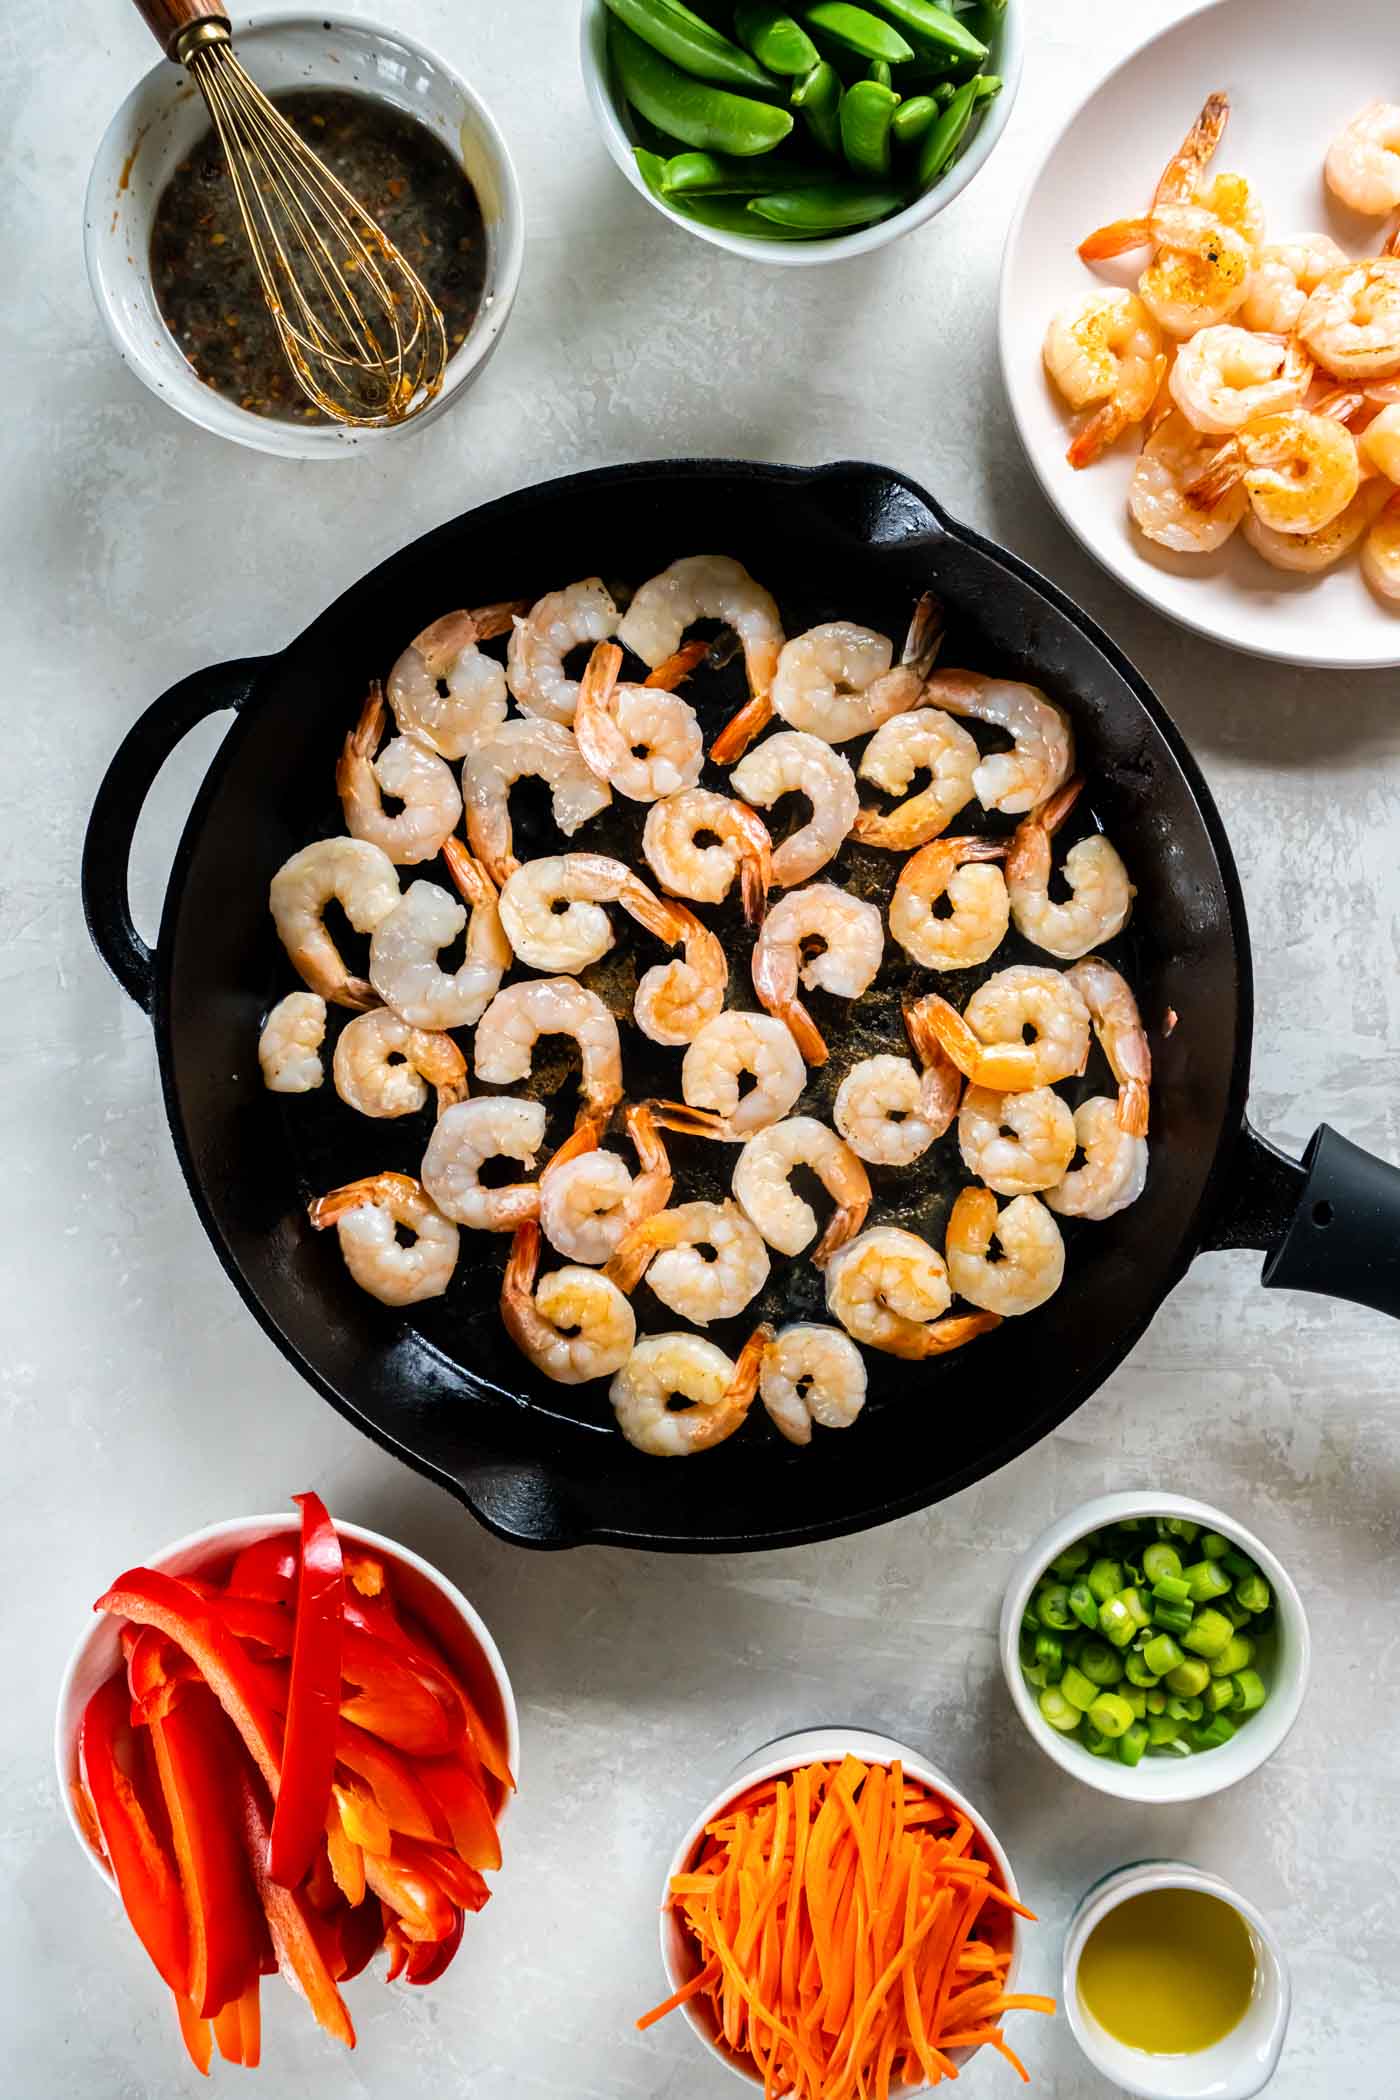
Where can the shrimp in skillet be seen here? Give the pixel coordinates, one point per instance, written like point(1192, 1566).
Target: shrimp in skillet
point(1113, 1173)
point(811, 1374)
point(1042, 744)
point(717, 1392)
point(836, 681)
point(853, 941)
point(889, 1289)
point(446, 655)
point(926, 740)
point(573, 1324)
point(762, 1185)
point(364, 882)
point(384, 1067)
point(740, 845)
point(665, 1249)
point(725, 1049)
point(366, 1215)
point(1032, 1263)
point(405, 769)
point(959, 870)
point(793, 763)
point(674, 1000)
point(711, 587)
point(517, 750)
point(579, 616)
point(552, 909)
point(644, 740)
point(1018, 1144)
point(1122, 1037)
point(890, 1111)
point(1101, 895)
point(987, 1043)
point(494, 1127)
point(404, 947)
point(289, 1048)
point(518, 1016)
point(591, 1200)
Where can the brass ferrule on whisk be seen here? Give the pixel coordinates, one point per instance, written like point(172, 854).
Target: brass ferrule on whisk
point(199, 36)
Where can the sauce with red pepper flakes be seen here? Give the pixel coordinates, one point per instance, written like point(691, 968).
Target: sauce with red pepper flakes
point(203, 274)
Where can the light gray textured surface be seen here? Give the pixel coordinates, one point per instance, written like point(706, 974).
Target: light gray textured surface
point(139, 1400)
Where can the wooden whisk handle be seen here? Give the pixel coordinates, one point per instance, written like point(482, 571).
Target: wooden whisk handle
point(168, 20)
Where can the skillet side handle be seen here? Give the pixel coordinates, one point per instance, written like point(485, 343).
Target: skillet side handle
point(120, 799)
point(1343, 1238)
point(525, 1504)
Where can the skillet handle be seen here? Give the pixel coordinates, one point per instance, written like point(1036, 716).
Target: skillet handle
point(1329, 1224)
point(525, 1504)
point(128, 780)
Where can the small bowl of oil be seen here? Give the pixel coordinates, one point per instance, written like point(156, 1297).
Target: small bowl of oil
point(1175, 1986)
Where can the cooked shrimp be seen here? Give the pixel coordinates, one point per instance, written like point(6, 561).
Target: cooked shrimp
point(446, 655)
point(1380, 554)
point(1300, 470)
point(667, 1367)
point(580, 616)
point(1105, 353)
point(762, 1175)
point(674, 1000)
point(591, 1199)
point(494, 1127)
point(811, 1374)
point(536, 749)
point(289, 1047)
point(1379, 443)
point(1283, 275)
point(403, 949)
point(890, 1111)
point(362, 879)
point(853, 941)
point(1101, 895)
point(710, 587)
point(518, 1016)
point(704, 873)
point(405, 769)
point(1310, 553)
point(1016, 1143)
point(1114, 1172)
point(1179, 183)
point(731, 1044)
point(1175, 457)
point(793, 763)
point(1032, 1263)
point(889, 1288)
point(573, 1325)
point(1122, 1038)
point(1225, 377)
point(384, 1067)
point(976, 926)
point(987, 1042)
point(835, 681)
point(1042, 742)
point(665, 1249)
point(927, 740)
point(366, 1215)
point(1200, 273)
point(552, 909)
point(644, 740)
point(1351, 323)
point(1363, 161)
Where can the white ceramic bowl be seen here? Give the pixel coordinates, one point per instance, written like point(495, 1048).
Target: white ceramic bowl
point(1161, 1779)
point(612, 121)
point(770, 1761)
point(1237, 2066)
point(162, 118)
point(456, 1626)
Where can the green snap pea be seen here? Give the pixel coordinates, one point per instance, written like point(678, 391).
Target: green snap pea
point(688, 175)
point(948, 133)
point(879, 69)
point(866, 111)
point(831, 207)
point(907, 126)
point(776, 38)
point(818, 96)
point(692, 111)
point(724, 214)
point(670, 28)
point(856, 29)
point(934, 29)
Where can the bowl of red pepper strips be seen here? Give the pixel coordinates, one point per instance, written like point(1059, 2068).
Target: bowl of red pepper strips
point(287, 1747)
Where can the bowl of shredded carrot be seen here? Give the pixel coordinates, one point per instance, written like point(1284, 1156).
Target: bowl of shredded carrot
point(840, 1924)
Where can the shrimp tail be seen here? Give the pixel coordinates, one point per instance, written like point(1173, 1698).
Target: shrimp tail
point(941, 1336)
point(844, 1224)
point(337, 1203)
point(803, 1030)
point(1096, 434)
point(584, 1137)
point(744, 1384)
point(633, 1255)
point(691, 1122)
point(1118, 238)
point(925, 636)
point(473, 883)
point(450, 1091)
point(1219, 478)
point(1184, 169)
point(674, 669)
point(492, 620)
point(739, 732)
point(1133, 1102)
point(755, 872)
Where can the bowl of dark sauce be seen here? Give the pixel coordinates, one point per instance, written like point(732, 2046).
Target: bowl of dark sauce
point(169, 263)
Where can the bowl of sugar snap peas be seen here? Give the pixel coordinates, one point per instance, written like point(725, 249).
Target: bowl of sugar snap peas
point(800, 133)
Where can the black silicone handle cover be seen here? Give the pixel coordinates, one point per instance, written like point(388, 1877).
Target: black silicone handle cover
point(1344, 1236)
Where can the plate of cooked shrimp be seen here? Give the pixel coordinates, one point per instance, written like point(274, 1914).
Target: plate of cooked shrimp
point(871, 951)
point(1200, 328)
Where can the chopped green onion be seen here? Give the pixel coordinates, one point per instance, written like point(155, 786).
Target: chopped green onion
point(1133, 1742)
point(1084, 1605)
point(1156, 1701)
point(1177, 1528)
point(1136, 1671)
point(1099, 1663)
point(1098, 1744)
point(1049, 1652)
point(1162, 1655)
point(1212, 1734)
point(1071, 1560)
point(1253, 1592)
point(1213, 1545)
point(1249, 1693)
point(1111, 1715)
point(1058, 1711)
point(1105, 1579)
point(1161, 1562)
point(1081, 1691)
point(1219, 1694)
point(1161, 1730)
point(1052, 1606)
point(1188, 1678)
point(1236, 1655)
point(1208, 1634)
point(1206, 1579)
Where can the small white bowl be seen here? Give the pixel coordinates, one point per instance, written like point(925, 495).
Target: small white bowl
point(1163, 1779)
point(1006, 56)
point(1238, 2065)
point(162, 118)
point(457, 1627)
point(770, 1761)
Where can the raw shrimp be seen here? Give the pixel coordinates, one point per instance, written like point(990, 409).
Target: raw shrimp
point(1310, 553)
point(889, 1288)
point(686, 869)
point(1173, 458)
point(888, 1110)
point(1225, 377)
point(580, 616)
point(811, 1374)
point(384, 1067)
point(366, 1214)
point(1032, 1263)
point(1351, 323)
point(711, 587)
point(1283, 275)
point(536, 749)
point(1016, 1143)
point(590, 1200)
point(674, 1000)
point(793, 763)
point(977, 923)
point(987, 1041)
point(289, 1047)
point(835, 680)
point(1105, 353)
point(518, 1016)
point(494, 1127)
point(446, 654)
point(573, 1325)
point(729, 1045)
point(405, 769)
point(665, 1249)
point(365, 883)
point(762, 1175)
point(926, 740)
point(853, 940)
point(1114, 1172)
point(1122, 1038)
point(1379, 442)
point(1380, 555)
point(667, 1367)
point(1101, 895)
point(644, 740)
point(548, 938)
point(1363, 161)
point(1299, 469)
point(403, 949)
point(1042, 742)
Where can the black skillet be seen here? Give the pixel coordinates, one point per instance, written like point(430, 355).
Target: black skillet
point(443, 1388)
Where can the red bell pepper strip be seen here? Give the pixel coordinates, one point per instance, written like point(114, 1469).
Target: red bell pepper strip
point(87, 1818)
point(398, 1949)
point(313, 1705)
point(347, 1860)
point(382, 1690)
point(361, 1937)
point(297, 1933)
point(145, 1872)
point(250, 2023)
point(405, 1801)
point(357, 1813)
point(422, 1910)
point(267, 1569)
point(461, 1883)
point(462, 1799)
point(486, 1738)
point(227, 2024)
point(427, 1962)
point(196, 2033)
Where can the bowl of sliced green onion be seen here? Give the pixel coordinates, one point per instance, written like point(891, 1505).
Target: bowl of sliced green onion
point(1154, 1648)
point(804, 132)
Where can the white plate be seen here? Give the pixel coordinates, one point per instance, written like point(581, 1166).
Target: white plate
point(1295, 72)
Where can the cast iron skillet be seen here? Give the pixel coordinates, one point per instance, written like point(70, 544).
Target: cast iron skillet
point(443, 1389)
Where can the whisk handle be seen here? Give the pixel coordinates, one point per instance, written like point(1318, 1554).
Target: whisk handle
point(169, 20)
